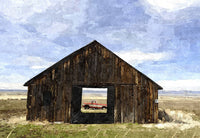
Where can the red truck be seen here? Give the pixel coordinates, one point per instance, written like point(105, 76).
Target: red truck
point(94, 105)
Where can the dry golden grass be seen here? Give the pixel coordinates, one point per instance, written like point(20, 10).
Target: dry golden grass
point(187, 104)
point(93, 110)
point(9, 108)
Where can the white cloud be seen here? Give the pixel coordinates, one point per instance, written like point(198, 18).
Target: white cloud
point(33, 62)
point(11, 86)
point(39, 67)
point(12, 81)
point(48, 17)
point(12, 78)
point(20, 10)
point(189, 84)
point(172, 5)
point(3, 64)
point(64, 16)
point(136, 57)
point(54, 30)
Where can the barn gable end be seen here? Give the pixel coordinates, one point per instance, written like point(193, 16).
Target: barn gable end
point(92, 66)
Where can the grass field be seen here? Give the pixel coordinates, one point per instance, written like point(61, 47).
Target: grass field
point(13, 123)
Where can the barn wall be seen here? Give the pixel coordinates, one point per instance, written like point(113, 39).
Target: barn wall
point(135, 104)
point(93, 66)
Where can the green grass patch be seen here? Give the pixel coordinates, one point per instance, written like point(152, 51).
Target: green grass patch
point(95, 130)
point(4, 130)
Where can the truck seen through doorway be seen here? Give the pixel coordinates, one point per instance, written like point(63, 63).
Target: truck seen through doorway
point(94, 105)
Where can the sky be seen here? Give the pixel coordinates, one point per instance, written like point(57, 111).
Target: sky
point(158, 37)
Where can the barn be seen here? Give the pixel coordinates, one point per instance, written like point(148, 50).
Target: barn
point(55, 94)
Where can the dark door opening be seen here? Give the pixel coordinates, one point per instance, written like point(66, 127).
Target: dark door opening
point(80, 117)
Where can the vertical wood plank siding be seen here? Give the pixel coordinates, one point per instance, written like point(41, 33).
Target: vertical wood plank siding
point(93, 65)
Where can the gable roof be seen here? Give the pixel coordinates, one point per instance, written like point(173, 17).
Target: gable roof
point(74, 53)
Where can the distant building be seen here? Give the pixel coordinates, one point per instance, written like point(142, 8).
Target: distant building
point(55, 94)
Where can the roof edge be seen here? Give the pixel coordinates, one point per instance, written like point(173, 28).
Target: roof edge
point(93, 42)
point(159, 87)
point(52, 66)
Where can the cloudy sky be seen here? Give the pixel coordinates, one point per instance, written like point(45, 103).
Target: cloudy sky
point(161, 38)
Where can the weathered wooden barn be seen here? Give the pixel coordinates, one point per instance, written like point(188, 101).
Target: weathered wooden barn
point(55, 94)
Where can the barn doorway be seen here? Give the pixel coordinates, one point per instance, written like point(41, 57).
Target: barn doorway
point(78, 116)
point(94, 100)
